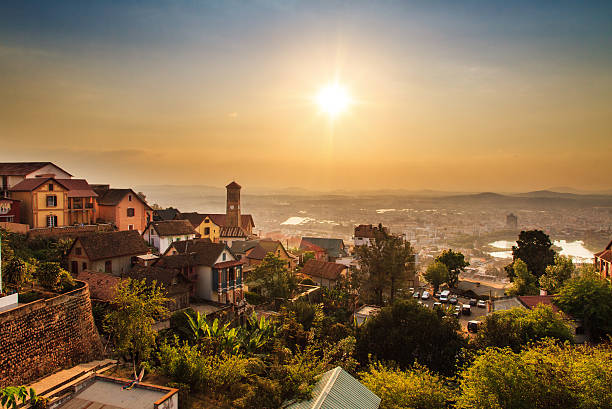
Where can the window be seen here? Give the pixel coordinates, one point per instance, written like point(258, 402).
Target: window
point(130, 227)
point(224, 256)
point(130, 212)
point(51, 221)
point(130, 198)
point(78, 251)
point(51, 201)
point(206, 231)
point(108, 266)
point(50, 187)
point(206, 221)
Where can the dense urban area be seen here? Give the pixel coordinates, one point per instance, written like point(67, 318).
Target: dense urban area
point(115, 297)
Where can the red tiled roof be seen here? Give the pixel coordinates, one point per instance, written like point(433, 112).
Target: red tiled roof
point(101, 285)
point(306, 245)
point(23, 168)
point(532, 301)
point(226, 264)
point(172, 227)
point(605, 255)
point(233, 185)
point(194, 218)
point(77, 187)
point(263, 248)
point(232, 231)
point(323, 269)
point(27, 185)
point(112, 197)
point(99, 246)
point(219, 219)
point(192, 252)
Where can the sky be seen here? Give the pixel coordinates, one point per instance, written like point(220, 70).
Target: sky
point(446, 95)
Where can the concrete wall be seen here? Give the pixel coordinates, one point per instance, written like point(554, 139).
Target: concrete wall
point(41, 337)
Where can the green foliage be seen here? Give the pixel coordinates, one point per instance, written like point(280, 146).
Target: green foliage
point(407, 333)
point(517, 327)
point(308, 255)
point(524, 281)
point(415, 388)
point(557, 274)
point(274, 279)
point(136, 307)
point(254, 298)
point(546, 376)
point(436, 274)
point(12, 395)
point(48, 275)
point(16, 273)
point(535, 249)
point(455, 263)
point(385, 266)
point(588, 298)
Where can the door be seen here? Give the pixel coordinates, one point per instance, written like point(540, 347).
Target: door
point(74, 269)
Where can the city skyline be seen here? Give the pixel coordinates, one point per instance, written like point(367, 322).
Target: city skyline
point(453, 96)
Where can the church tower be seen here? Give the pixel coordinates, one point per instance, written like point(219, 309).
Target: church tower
point(232, 211)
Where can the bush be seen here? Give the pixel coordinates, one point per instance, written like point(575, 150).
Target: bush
point(48, 275)
point(545, 376)
point(254, 298)
point(308, 281)
point(416, 388)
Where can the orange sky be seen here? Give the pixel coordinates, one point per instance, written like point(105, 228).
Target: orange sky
point(440, 103)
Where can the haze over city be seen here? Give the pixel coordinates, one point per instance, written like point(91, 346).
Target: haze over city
point(456, 96)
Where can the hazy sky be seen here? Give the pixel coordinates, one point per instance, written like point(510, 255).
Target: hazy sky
point(456, 95)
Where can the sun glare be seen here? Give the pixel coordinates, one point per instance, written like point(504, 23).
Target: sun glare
point(333, 99)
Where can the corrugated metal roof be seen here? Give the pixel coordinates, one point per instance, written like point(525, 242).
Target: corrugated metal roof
point(337, 389)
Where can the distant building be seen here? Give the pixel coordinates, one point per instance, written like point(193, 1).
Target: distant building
point(603, 262)
point(334, 248)
point(165, 214)
point(366, 233)
point(252, 252)
point(213, 270)
point(12, 173)
point(227, 228)
point(113, 253)
point(324, 273)
point(161, 234)
point(511, 221)
point(122, 207)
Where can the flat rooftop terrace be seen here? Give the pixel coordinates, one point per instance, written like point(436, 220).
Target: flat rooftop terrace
point(108, 393)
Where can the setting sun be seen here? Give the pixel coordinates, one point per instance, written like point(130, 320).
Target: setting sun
point(333, 99)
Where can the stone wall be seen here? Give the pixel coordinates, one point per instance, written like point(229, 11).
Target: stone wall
point(41, 337)
point(68, 232)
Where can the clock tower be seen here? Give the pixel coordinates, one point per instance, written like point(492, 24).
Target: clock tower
point(232, 211)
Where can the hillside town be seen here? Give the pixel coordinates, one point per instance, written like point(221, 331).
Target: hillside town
point(96, 283)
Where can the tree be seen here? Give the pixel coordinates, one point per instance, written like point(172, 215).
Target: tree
point(436, 274)
point(16, 273)
point(517, 327)
point(455, 263)
point(535, 249)
point(273, 277)
point(524, 282)
point(48, 274)
point(415, 388)
point(385, 265)
point(308, 255)
point(588, 298)
point(136, 307)
point(557, 274)
point(545, 376)
point(406, 333)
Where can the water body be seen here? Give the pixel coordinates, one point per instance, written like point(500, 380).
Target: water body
point(573, 249)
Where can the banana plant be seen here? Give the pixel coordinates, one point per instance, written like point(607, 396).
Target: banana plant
point(11, 395)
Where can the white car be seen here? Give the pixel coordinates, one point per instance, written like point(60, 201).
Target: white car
point(482, 304)
point(425, 295)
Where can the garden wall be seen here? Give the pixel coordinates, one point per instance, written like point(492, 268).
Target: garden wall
point(41, 337)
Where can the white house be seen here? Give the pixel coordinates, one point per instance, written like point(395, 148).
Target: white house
point(214, 271)
point(161, 234)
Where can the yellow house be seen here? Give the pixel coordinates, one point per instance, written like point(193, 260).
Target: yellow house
point(44, 202)
point(203, 224)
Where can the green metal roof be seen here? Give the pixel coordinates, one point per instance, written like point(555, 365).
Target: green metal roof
point(338, 390)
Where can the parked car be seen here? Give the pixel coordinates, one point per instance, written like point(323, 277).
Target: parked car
point(481, 304)
point(466, 309)
point(452, 300)
point(457, 308)
point(437, 305)
point(473, 301)
point(444, 296)
point(425, 295)
point(416, 295)
point(473, 326)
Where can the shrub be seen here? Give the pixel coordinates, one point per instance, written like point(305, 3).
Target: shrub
point(48, 274)
point(254, 298)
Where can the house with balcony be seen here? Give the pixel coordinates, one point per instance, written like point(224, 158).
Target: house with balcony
point(81, 201)
point(213, 270)
point(122, 207)
point(161, 234)
point(603, 262)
